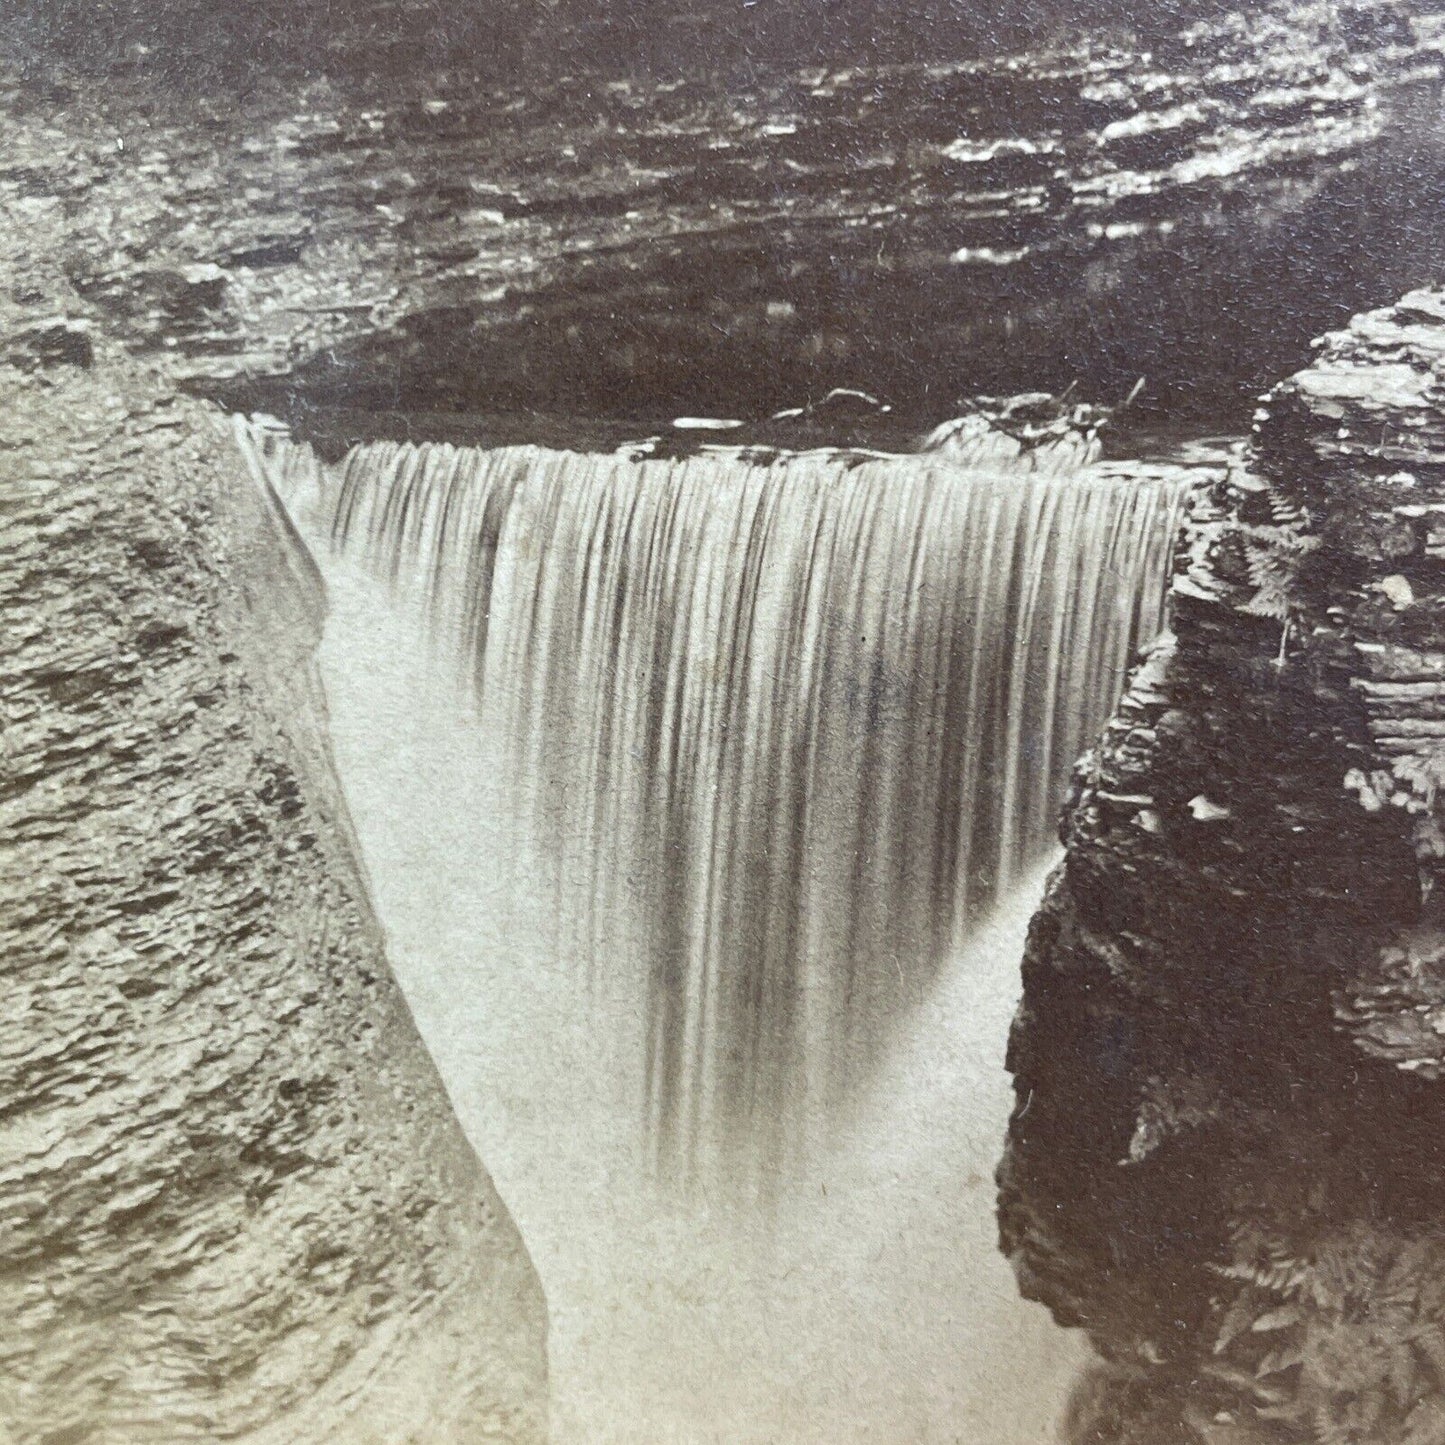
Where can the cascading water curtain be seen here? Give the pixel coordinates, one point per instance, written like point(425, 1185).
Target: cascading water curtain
point(801, 718)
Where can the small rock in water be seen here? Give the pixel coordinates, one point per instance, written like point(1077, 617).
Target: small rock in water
point(1205, 811)
point(1149, 821)
point(847, 398)
point(1398, 590)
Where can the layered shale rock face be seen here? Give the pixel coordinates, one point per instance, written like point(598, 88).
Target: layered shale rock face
point(235, 1201)
point(1081, 207)
point(1228, 1151)
point(502, 38)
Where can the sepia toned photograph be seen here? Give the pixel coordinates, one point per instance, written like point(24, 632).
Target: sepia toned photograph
point(722, 722)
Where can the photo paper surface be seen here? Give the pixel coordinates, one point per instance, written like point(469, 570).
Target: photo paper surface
point(722, 723)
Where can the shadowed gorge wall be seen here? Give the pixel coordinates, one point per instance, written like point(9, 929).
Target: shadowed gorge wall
point(193, 40)
point(1078, 209)
point(1226, 1159)
point(235, 1201)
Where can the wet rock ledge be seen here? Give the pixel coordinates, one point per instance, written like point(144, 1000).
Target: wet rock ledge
point(234, 1201)
point(1227, 1156)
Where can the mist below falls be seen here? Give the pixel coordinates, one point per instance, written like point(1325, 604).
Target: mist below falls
point(563, 692)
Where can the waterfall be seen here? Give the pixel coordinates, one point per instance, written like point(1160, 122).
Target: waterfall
point(786, 724)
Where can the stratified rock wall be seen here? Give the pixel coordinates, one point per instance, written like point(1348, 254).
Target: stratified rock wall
point(234, 1202)
point(1228, 1152)
point(1191, 208)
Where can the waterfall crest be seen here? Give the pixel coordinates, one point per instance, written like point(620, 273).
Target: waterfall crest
point(790, 723)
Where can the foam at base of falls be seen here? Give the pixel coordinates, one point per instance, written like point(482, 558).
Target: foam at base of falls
point(771, 734)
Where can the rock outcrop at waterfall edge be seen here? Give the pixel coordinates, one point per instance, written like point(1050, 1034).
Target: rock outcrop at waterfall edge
point(235, 1201)
point(1227, 1156)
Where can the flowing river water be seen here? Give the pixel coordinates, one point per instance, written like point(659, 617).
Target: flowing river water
point(705, 804)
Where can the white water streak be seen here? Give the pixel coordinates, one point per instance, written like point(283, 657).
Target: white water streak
point(787, 726)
